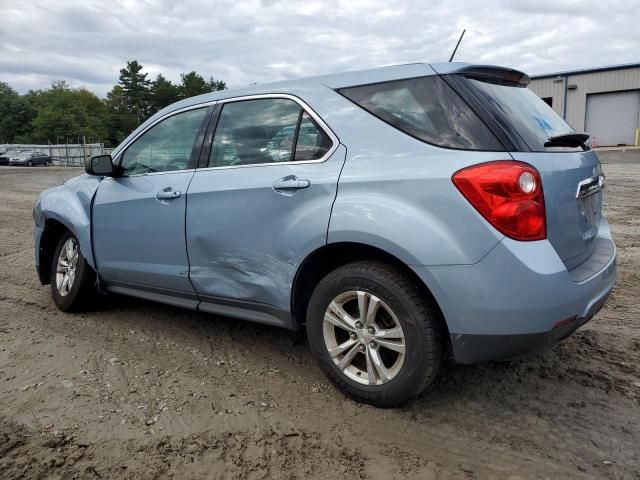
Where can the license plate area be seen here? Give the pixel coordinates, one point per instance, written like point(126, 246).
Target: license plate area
point(590, 209)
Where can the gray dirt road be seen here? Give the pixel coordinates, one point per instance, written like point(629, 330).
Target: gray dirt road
point(139, 390)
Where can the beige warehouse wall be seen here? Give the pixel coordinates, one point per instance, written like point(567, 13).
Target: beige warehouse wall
point(587, 83)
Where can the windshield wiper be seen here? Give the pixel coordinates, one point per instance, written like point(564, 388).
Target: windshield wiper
point(567, 140)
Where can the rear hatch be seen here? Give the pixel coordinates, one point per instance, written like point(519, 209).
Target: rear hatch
point(569, 169)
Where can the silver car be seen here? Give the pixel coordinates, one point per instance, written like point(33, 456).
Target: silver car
point(401, 215)
point(29, 158)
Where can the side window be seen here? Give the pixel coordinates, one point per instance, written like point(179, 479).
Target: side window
point(255, 131)
point(428, 109)
point(312, 142)
point(268, 130)
point(166, 146)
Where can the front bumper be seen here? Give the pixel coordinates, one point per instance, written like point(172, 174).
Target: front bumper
point(507, 305)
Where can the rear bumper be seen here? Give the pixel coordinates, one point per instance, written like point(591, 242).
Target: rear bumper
point(507, 305)
point(472, 348)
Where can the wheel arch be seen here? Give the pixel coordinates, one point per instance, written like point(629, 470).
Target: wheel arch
point(333, 255)
point(53, 230)
point(65, 207)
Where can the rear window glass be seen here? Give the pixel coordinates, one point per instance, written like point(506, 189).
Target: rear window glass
point(533, 119)
point(428, 109)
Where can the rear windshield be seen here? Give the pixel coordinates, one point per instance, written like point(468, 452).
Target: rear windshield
point(530, 116)
point(428, 109)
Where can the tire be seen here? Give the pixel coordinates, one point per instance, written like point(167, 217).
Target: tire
point(29, 163)
point(399, 303)
point(81, 291)
point(47, 163)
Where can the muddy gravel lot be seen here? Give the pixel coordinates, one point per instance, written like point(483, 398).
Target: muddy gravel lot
point(140, 390)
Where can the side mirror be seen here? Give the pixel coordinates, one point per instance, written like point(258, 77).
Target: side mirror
point(101, 165)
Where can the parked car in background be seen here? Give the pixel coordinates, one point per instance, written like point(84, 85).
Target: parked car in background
point(402, 215)
point(30, 158)
point(5, 155)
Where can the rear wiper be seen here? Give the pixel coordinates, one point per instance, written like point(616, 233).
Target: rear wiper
point(567, 140)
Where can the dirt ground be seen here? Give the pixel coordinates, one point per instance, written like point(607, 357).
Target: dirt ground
point(139, 390)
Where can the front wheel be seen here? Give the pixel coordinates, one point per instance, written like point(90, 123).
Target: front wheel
point(72, 279)
point(374, 334)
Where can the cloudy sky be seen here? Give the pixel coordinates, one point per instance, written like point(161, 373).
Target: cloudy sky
point(86, 42)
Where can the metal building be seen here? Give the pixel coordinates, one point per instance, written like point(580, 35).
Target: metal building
point(604, 102)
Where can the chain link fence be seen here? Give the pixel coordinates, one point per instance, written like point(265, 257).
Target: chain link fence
point(66, 154)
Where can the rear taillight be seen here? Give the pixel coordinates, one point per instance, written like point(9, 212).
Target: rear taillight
point(508, 195)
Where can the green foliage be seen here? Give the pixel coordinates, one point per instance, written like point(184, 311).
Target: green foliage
point(120, 119)
point(16, 113)
point(135, 86)
point(62, 113)
point(163, 93)
point(194, 84)
point(216, 85)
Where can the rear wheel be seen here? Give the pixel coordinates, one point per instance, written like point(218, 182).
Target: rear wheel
point(72, 279)
point(29, 163)
point(373, 334)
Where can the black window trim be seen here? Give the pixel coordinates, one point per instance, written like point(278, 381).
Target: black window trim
point(491, 125)
point(503, 130)
point(205, 152)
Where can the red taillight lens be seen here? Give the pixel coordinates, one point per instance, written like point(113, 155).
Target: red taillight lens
point(509, 196)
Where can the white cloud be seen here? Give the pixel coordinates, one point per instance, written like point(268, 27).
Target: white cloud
point(86, 42)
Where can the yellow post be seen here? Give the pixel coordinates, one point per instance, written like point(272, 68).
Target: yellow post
point(637, 137)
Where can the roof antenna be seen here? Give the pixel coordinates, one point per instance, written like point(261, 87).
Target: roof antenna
point(457, 45)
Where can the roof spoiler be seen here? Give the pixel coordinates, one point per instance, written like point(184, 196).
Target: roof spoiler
point(498, 75)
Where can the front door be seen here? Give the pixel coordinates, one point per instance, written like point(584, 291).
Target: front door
point(139, 218)
point(262, 205)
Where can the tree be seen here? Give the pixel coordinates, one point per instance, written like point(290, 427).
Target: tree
point(216, 85)
point(62, 113)
point(163, 92)
point(16, 113)
point(120, 120)
point(135, 86)
point(192, 84)
point(66, 113)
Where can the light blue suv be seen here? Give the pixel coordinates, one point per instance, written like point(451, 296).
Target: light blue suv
point(403, 215)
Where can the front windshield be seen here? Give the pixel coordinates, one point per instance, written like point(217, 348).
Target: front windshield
point(531, 117)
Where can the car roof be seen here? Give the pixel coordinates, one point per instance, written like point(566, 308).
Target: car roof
point(304, 86)
point(332, 80)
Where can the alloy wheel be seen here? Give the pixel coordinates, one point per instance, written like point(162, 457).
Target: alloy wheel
point(364, 337)
point(66, 267)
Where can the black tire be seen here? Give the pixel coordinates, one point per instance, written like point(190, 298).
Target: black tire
point(29, 163)
point(417, 317)
point(82, 292)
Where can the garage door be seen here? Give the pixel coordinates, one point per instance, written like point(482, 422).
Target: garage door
point(613, 117)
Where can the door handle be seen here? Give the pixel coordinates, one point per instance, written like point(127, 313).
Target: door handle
point(167, 194)
point(289, 183)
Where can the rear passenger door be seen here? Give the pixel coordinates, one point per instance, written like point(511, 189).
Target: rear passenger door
point(260, 204)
